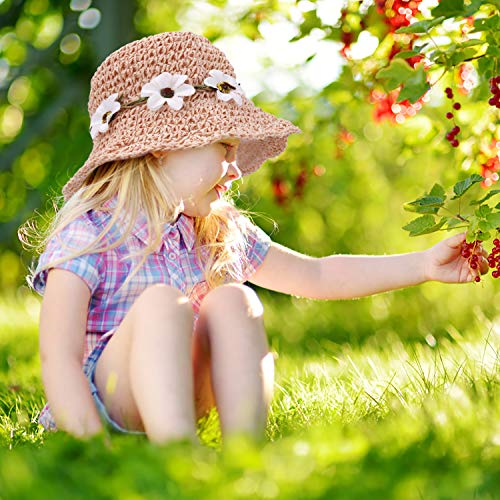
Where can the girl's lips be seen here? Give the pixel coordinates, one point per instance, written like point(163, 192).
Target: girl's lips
point(219, 190)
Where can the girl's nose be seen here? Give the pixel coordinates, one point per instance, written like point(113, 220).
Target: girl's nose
point(233, 172)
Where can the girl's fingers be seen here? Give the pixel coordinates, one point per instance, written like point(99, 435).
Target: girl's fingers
point(455, 240)
point(484, 265)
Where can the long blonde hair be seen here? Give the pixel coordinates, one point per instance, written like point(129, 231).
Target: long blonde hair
point(140, 185)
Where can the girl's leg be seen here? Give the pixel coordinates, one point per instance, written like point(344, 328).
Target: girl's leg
point(144, 375)
point(230, 337)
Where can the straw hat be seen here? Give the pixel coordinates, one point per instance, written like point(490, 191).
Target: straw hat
point(174, 90)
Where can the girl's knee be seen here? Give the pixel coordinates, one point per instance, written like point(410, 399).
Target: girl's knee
point(233, 297)
point(164, 299)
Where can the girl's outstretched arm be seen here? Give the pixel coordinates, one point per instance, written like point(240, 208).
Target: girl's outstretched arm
point(63, 322)
point(353, 276)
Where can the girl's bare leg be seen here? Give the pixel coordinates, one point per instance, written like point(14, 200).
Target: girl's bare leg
point(242, 368)
point(144, 374)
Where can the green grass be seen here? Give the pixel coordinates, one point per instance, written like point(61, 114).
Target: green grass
point(385, 419)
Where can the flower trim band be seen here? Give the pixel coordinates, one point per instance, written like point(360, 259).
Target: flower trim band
point(165, 88)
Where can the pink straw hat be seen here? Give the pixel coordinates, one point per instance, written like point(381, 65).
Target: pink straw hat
point(174, 90)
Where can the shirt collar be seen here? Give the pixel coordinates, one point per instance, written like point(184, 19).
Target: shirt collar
point(184, 225)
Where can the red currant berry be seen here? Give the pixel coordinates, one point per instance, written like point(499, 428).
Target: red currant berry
point(449, 115)
point(477, 279)
point(473, 265)
point(457, 105)
point(454, 143)
point(496, 242)
point(495, 274)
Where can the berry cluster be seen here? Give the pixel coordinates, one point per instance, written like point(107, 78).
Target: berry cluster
point(489, 170)
point(451, 136)
point(283, 193)
point(495, 90)
point(466, 78)
point(398, 13)
point(352, 24)
point(494, 258)
point(469, 253)
point(385, 106)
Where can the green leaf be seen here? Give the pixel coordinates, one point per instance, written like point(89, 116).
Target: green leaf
point(470, 237)
point(473, 225)
point(483, 211)
point(456, 8)
point(493, 51)
point(473, 7)
point(483, 235)
point(405, 54)
point(438, 56)
point(425, 205)
point(421, 26)
point(438, 190)
point(453, 221)
point(470, 43)
point(420, 223)
point(485, 226)
point(487, 23)
point(489, 195)
point(395, 74)
point(424, 225)
point(486, 66)
point(463, 186)
point(449, 8)
point(428, 201)
point(494, 219)
point(457, 56)
point(415, 86)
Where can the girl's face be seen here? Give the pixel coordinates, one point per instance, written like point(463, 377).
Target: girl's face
point(200, 175)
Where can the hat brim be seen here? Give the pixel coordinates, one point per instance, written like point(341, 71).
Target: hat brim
point(136, 131)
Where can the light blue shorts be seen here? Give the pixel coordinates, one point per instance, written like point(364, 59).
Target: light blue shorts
point(89, 370)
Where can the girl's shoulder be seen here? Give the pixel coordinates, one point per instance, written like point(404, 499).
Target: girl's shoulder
point(75, 233)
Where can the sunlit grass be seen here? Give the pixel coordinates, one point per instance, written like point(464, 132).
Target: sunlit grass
point(385, 420)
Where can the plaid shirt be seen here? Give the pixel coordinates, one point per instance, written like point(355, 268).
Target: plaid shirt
point(173, 263)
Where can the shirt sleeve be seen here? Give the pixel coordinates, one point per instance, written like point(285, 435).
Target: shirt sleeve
point(257, 246)
point(75, 236)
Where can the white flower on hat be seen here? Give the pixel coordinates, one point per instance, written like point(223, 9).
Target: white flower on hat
point(99, 123)
point(227, 87)
point(167, 88)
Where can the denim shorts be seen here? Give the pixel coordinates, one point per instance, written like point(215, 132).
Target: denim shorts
point(89, 370)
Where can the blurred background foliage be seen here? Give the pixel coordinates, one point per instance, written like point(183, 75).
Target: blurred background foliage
point(339, 187)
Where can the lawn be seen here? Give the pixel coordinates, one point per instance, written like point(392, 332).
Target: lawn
point(380, 419)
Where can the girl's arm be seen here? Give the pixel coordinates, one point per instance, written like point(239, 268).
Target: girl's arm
point(352, 276)
point(63, 322)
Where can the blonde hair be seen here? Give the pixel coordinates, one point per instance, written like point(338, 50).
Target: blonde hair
point(140, 185)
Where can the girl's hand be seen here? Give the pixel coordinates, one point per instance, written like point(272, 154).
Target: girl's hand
point(444, 262)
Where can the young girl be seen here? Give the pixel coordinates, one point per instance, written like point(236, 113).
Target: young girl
point(143, 266)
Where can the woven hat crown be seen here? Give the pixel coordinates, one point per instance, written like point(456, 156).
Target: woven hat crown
point(204, 117)
point(127, 69)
